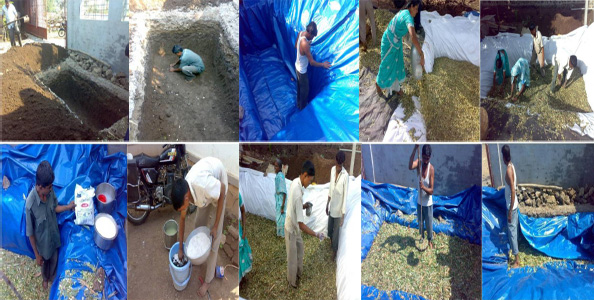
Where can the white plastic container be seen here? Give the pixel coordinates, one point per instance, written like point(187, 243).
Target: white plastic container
point(417, 69)
point(202, 258)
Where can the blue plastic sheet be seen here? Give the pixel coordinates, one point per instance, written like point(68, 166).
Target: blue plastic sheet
point(268, 87)
point(556, 280)
point(371, 293)
point(86, 165)
point(381, 202)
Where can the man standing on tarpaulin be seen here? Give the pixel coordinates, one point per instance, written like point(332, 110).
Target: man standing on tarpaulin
point(303, 46)
point(511, 185)
point(425, 199)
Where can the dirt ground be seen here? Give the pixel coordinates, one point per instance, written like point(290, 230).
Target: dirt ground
point(323, 157)
point(551, 20)
point(207, 107)
point(101, 112)
point(145, 5)
point(148, 266)
point(29, 111)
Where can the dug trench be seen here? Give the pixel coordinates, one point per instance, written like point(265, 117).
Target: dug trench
point(48, 94)
point(203, 109)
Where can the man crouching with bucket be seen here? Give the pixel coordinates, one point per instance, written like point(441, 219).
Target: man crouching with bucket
point(206, 187)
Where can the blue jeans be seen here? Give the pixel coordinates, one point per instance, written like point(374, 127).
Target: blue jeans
point(512, 231)
point(189, 71)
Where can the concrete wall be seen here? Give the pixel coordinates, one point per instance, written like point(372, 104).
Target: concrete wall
point(457, 167)
point(565, 165)
point(228, 153)
point(104, 40)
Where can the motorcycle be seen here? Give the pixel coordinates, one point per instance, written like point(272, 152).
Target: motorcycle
point(150, 180)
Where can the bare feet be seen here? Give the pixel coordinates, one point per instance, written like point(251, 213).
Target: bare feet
point(203, 289)
point(430, 245)
point(379, 90)
point(45, 284)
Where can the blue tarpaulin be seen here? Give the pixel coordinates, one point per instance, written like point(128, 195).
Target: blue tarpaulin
point(267, 81)
point(381, 202)
point(562, 237)
point(86, 165)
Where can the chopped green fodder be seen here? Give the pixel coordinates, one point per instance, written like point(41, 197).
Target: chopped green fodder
point(268, 277)
point(450, 101)
point(539, 114)
point(452, 270)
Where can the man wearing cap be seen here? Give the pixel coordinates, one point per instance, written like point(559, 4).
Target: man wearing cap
point(189, 63)
point(205, 186)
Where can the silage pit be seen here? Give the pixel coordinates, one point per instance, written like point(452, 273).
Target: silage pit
point(203, 109)
point(94, 104)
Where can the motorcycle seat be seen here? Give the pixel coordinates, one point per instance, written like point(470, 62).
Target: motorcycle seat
point(145, 161)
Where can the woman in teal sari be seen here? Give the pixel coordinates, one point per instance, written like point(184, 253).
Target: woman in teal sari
point(391, 71)
point(245, 251)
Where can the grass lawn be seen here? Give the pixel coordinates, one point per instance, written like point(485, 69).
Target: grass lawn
point(452, 270)
point(268, 278)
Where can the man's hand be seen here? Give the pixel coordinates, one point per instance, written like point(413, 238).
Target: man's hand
point(39, 260)
point(173, 64)
point(341, 221)
point(171, 69)
point(326, 65)
point(71, 205)
point(421, 185)
point(423, 61)
point(320, 235)
point(213, 232)
point(509, 217)
point(327, 208)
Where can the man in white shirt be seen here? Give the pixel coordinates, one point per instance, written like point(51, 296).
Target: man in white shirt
point(294, 223)
point(336, 206)
point(9, 11)
point(537, 49)
point(564, 66)
point(205, 186)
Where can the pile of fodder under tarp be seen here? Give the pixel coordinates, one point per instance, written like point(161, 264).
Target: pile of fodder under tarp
point(24, 276)
point(539, 114)
point(268, 277)
point(451, 270)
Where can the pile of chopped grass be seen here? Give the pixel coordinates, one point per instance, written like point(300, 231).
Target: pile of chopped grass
point(452, 270)
point(268, 277)
point(539, 114)
point(21, 270)
point(449, 95)
point(450, 101)
point(530, 257)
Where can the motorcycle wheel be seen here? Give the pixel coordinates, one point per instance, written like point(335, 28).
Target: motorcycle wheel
point(135, 216)
point(61, 32)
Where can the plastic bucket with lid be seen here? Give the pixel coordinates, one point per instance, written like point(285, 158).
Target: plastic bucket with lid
point(106, 196)
point(179, 274)
point(170, 229)
point(105, 232)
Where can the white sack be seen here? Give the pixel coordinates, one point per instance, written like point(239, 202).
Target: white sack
point(452, 37)
point(348, 258)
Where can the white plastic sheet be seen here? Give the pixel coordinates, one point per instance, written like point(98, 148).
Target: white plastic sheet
point(257, 192)
point(451, 37)
point(579, 42)
point(348, 258)
point(398, 131)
